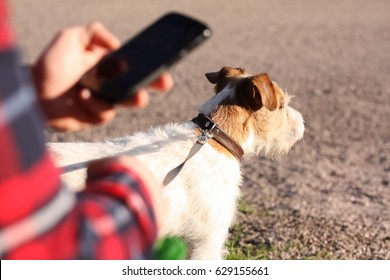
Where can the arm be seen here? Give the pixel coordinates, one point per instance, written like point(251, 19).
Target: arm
point(39, 219)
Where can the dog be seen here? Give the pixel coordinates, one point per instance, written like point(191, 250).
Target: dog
point(249, 114)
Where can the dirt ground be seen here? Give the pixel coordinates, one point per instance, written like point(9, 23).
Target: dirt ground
point(329, 198)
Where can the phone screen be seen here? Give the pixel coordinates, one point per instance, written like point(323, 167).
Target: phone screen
point(143, 58)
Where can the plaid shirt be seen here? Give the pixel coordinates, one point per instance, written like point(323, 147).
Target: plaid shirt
point(39, 218)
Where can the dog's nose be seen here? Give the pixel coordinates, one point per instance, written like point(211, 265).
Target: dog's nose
point(298, 121)
point(301, 128)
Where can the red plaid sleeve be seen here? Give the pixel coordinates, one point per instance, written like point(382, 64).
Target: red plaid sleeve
point(39, 218)
point(6, 38)
point(109, 220)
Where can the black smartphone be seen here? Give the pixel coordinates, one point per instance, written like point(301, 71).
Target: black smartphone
point(142, 59)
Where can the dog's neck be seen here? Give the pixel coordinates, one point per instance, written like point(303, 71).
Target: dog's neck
point(211, 129)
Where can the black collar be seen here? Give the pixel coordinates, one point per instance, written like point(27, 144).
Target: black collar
point(207, 124)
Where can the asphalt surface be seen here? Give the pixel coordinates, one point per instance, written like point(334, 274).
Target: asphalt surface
point(330, 196)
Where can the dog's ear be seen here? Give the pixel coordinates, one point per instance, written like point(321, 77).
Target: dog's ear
point(222, 77)
point(225, 72)
point(212, 77)
point(257, 91)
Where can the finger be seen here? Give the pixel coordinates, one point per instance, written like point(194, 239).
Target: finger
point(163, 83)
point(67, 125)
point(96, 167)
point(97, 111)
point(100, 36)
point(139, 100)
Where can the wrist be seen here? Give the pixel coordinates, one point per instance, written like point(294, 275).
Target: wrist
point(48, 107)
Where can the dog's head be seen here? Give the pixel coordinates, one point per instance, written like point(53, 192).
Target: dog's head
point(254, 111)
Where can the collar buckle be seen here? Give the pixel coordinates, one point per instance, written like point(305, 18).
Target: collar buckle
point(204, 137)
point(210, 129)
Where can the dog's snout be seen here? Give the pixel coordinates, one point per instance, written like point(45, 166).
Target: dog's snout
point(298, 122)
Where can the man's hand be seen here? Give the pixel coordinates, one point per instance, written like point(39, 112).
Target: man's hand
point(72, 53)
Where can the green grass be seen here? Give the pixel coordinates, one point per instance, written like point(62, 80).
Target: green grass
point(245, 208)
point(239, 250)
point(321, 255)
point(248, 251)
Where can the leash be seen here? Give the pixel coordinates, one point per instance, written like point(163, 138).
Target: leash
point(209, 130)
point(202, 139)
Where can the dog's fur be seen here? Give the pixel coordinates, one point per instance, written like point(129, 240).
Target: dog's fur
point(201, 201)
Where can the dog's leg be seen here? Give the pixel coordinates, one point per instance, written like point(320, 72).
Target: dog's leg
point(211, 245)
point(212, 248)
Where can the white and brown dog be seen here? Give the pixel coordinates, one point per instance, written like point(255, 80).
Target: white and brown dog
point(248, 115)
